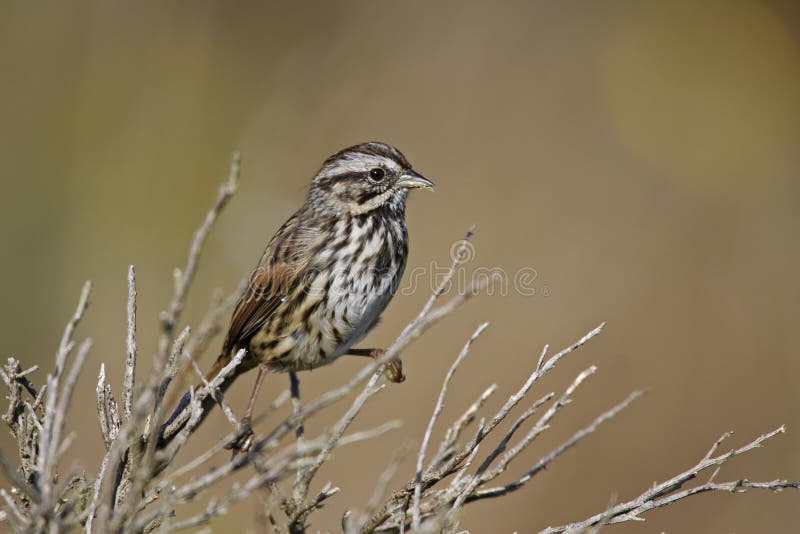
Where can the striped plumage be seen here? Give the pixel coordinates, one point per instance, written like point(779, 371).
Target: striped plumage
point(340, 275)
point(331, 269)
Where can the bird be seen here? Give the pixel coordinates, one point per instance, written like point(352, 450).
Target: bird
point(326, 275)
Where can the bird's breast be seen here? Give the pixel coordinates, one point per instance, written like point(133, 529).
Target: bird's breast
point(351, 280)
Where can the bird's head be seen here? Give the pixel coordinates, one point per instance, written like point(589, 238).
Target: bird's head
point(364, 177)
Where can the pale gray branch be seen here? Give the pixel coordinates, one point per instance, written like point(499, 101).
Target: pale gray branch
point(184, 277)
point(669, 491)
point(49, 439)
point(130, 346)
point(436, 411)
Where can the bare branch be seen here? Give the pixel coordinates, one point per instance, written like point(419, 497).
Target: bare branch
point(96, 488)
point(301, 508)
point(351, 525)
point(544, 462)
point(13, 476)
point(372, 433)
point(108, 426)
point(667, 492)
point(541, 370)
point(448, 461)
point(217, 395)
point(185, 427)
point(210, 325)
point(49, 439)
point(183, 278)
point(501, 447)
point(11, 505)
point(130, 345)
point(436, 411)
point(541, 425)
point(64, 400)
point(220, 445)
point(454, 432)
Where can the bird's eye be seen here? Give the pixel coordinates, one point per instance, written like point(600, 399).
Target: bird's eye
point(377, 174)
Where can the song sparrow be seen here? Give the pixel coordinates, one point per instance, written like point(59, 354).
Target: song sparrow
point(329, 271)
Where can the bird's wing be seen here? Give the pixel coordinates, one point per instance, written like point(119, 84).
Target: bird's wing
point(280, 270)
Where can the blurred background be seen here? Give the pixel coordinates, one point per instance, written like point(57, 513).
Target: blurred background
point(640, 158)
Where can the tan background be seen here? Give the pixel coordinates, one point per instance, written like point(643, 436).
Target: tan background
point(640, 156)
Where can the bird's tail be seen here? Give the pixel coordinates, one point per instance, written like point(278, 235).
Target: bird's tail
point(182, 412)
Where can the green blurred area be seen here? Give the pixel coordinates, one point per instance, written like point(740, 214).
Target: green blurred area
point(640, 156)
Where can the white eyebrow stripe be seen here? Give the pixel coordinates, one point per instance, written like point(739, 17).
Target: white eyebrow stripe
point(357, 162)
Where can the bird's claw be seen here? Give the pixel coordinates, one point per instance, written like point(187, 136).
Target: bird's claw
point(393, 370)
point(244, 438)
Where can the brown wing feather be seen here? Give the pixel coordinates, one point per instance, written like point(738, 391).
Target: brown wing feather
point(283, 261)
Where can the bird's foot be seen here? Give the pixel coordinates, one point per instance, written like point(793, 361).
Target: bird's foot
point(244, 438)
point(393, 371)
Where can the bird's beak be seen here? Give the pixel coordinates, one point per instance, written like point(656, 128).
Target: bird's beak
point(411, 179)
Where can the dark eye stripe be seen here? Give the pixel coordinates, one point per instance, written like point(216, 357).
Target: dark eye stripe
point(328, 182)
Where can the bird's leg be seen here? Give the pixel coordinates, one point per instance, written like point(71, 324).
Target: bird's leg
point(394, 368)
point(245, 439)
